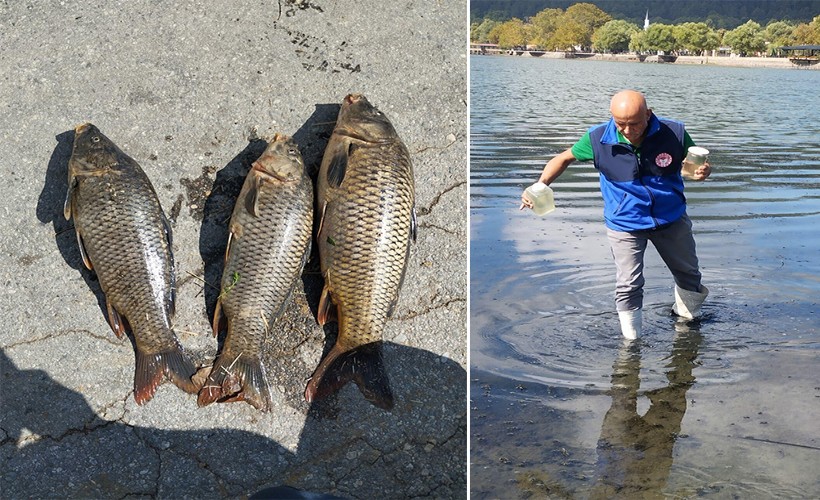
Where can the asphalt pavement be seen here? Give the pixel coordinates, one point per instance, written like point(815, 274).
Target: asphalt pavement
point(191, 91)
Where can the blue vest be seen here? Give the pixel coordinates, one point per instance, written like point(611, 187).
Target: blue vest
point(646, 191)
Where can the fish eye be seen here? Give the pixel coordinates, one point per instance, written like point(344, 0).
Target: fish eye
point(95, 138)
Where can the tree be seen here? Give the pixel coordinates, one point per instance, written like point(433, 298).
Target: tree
point(480, 32)
point(509, 34)
point(778, 34)
point(661, 38)
point(614, 36)
point(696, 37)
point(808, 34)
point(745, 39)
point(584, 19)
point(544, 24)
point(637, 42)
point(569, 34)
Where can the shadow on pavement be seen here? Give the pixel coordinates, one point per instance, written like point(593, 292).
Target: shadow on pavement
point(50, 211)
point(53, 444)
point(312, 137)
point(213, 232)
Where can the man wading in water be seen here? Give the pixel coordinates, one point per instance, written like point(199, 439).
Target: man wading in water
point(639, 157)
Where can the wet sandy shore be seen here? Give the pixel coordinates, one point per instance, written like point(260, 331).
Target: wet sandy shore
point(651, 431)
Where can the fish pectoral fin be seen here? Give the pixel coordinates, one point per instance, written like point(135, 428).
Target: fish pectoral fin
point(69, 197)
point(228, 247)
point(327, 310)
point(117, 323)
point(252, 198)
point(338, 167)
point(83, 253)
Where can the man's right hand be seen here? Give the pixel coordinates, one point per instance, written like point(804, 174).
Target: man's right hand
point(525, 201)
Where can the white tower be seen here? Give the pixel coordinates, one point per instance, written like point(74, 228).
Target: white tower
point(646, 21)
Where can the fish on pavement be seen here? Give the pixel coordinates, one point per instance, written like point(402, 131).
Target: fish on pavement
point(367, 201)
point(268, 244)
point(125, 238)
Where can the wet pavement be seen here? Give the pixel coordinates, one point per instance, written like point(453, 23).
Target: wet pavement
point(191, 93)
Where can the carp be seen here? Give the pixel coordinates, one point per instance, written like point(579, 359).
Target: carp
point(367, 201)
point(125, 238)
point(268, 245)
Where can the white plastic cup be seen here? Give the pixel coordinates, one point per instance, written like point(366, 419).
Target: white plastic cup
point(695, 157)
point(543, 201)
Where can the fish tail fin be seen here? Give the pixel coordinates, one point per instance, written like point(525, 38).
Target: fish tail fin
point(151, 367)
point(237, 377)
point(364, 365)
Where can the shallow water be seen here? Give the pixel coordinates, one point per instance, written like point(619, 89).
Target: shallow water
point(545, 341)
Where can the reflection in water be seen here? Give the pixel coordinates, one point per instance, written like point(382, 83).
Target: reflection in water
point(634, 451)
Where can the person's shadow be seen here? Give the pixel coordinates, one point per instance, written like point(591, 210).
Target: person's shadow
point(634, 451)
point(53, 444)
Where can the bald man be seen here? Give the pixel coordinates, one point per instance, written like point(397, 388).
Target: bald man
point(639, 158)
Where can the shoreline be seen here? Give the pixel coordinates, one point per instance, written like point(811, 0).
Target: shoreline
point(726, 61)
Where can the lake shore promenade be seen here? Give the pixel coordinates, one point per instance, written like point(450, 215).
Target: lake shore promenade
point(744, 62)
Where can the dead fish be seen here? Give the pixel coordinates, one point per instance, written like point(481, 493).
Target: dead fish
point(268, 244)
point(125, 238)
point(366, 194)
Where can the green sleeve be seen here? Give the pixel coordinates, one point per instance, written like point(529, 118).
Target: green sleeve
point(687, 141)
point(582, 150)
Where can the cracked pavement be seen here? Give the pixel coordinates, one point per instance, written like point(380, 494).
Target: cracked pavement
point(190, 93)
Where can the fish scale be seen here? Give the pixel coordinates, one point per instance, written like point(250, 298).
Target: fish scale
point(366, 190)
point(125, 237)
point(265, 256)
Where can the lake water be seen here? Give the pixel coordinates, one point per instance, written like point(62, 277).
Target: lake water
point(723, 408)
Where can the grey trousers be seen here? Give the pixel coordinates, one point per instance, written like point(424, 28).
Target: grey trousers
point(676, 246)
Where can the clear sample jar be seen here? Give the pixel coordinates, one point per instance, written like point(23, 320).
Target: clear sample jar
point(543, 201)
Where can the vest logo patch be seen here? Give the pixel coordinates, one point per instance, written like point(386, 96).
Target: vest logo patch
point(663, 160)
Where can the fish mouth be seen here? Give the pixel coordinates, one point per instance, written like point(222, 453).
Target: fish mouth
point(277, 137)
point(354, 98)
point(79, 129)
point(259, 168)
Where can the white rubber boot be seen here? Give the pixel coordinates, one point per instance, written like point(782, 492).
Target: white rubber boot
point(631, 323)
point(687, 304)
